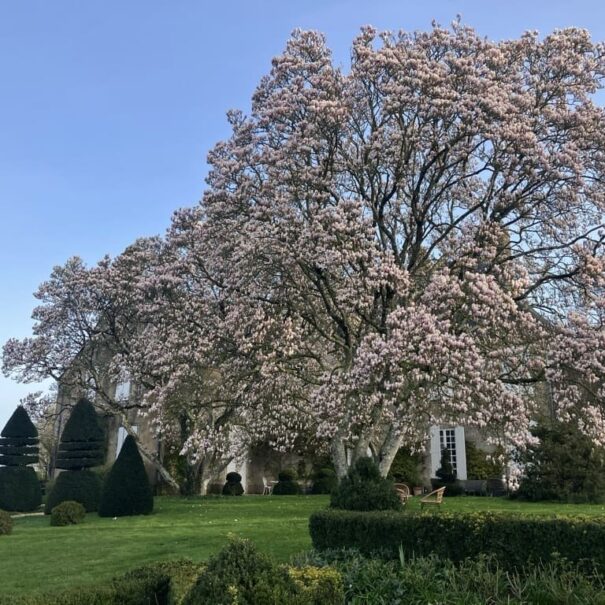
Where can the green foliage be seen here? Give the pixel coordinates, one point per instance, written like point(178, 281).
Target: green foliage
point(565, 465)
point(287, 484)
point(82, 486)
point(19, 489)
point(233, 485)
point(364, 489)
point(67, 513)
point(514, 541)
point(6, 523)
point(144, 586)
point(446, 472)
point(479, 465)
point(325, 481)
point(421, 580)
point(126, 490)
point(83, 440)
point(240, 574)
point(406, 467)
point(19, 440)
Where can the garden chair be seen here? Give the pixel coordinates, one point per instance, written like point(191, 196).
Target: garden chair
point(435, 497)
point(403, 491)
point(267, 487)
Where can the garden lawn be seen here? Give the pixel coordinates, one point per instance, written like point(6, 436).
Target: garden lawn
point(38, 557)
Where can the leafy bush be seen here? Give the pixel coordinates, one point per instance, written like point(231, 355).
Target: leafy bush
point(446, 476)
point(479, 465)
point(565, 465)
point(406, 467)
point(233, 485)
point(325, 481)
point(239, 573)
point(19, 488)
point(287, 484)
point(82, 486)
point(365, 489)
point(475, 582)
point(514, 541)
point(6, 523)
point(126, 490)
point(144, 586)
point(67, 513)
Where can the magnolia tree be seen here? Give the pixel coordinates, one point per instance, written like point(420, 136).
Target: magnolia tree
point(406, 243)
point(415, 241)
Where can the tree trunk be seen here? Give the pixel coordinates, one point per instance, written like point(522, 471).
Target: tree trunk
point(150, 457)
point(339, 456)
point(389, 449)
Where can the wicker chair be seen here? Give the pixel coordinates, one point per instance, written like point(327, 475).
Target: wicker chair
point(403, 491)
point(435, 497)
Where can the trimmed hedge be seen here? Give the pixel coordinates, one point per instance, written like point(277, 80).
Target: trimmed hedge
point(83, 439)
point(82, 486)
point(6, 523)
point(144, 586)
point(67, 513)
point(514, 541)
point(126, 490)
point(287, 484)
point(325, 481)
point(233, 485)
point(19, 488)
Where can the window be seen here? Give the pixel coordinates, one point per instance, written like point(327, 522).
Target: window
point(122, 436)
point(447, 440)
point(123, 390)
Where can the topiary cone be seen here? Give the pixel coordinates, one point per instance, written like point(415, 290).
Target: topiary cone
point(126, 490)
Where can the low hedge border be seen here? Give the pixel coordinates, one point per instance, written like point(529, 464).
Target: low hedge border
point(514, 541)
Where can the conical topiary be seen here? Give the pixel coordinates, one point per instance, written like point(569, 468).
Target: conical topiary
point(82, 447)
point(19, 484)
point(126, 490)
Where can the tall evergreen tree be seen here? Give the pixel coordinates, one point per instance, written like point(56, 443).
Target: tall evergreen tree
point(82, 447)
point(126, 490)
point(19, 485)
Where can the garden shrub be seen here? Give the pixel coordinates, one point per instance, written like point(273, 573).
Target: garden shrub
point(19, 488)
point(287, 484)
point(364, 489)
point(81, 486)
point(514, 541)
point(239, 573)
point(233, 485)
point(406, 468)
point(446, 476)
point(82, 447)
point(126, 490)
point(67, 513)
point(6, 523)
point(19, 484)
point(564, 465)
point(373, 581)
point(325, 481)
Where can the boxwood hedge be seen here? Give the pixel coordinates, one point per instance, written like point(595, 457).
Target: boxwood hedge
point(514, 541)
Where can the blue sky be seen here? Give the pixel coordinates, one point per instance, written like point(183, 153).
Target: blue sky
point(108, 109)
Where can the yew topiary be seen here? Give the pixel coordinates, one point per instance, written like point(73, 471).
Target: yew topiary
point(126, 490)
point(82, 447)
point(19, 484)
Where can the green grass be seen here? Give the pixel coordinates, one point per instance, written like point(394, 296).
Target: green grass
point(39, 557)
